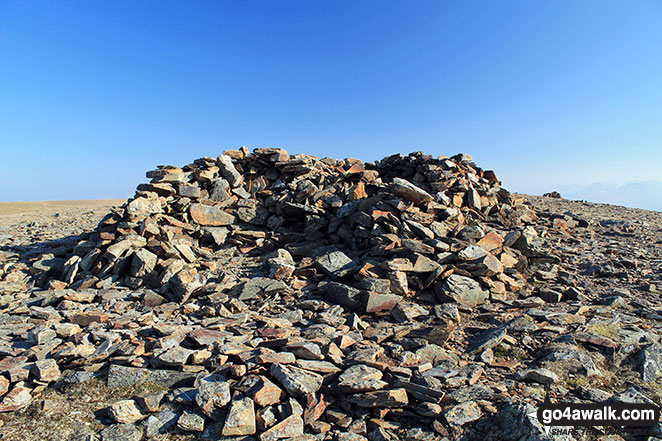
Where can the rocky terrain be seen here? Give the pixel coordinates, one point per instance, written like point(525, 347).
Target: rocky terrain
point(264, 296)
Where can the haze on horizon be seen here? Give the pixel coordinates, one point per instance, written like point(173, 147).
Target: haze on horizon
point(559, 96)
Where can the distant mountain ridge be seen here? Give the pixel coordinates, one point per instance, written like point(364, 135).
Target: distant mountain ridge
point(642, 194)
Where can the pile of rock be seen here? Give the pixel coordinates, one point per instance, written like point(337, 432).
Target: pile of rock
point(399, 226)
point(285, 296)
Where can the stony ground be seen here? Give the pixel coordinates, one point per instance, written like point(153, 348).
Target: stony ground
point(589, 325)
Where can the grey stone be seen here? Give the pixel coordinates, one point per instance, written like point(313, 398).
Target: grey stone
point(123, 376)
point(228, 170)
point(463, 413)
point(297, 382)
point(336, 264)
point(463, 290)
point(121, 432)
point(486, 340)
point(651, 362)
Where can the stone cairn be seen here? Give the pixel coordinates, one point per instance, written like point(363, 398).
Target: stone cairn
point(286, 296)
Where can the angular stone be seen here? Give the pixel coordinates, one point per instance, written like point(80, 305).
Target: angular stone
point(126, 411)
point(550, 296)
point(46, 370)
point(491, 241)
point(121, 432)
point(540, 375)
point(191, 421)
point(651, 362)
point(265, 393)
point(189, 190)
point(40, 336)
point(361, 378)
point(472, 252)
point(260, 287)
point(463, 413)
point(144, 207)
point(290, 427)
point(343, 295)
point(150, 402)
point(306, 350)
point(405, 312)
point(88, 317)
point(297, 382)
point(486, 340)
point(143, 263)
point(175, 356)
point(407, 190)
point(380, 302)
point(336, 264)
point(463, 290)
point(220, 190)
point(228, 170)
point(213, 392)
point(124, 376)
point(383, 398)
point(241, 418)
point(4, 385)
point(185, 282)
point(18, 398)
point(425, 264)
point(209, 215)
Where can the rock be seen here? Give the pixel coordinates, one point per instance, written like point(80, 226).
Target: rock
point(486, 340)
point(189, 191)
point(150, 402)
point(463, 290)
point(383, 398)
point(336, 264)
point(160, 423)
point(40, 336)
point(290, 427)
point(407, 190)
point(121, 432)
point(297, 382)
point(123, 376)
point(519, 421)
point(343, 295)
point(540, 375)
point(88, 317)
point(380, 302)
point(143, 263)
point(651, 362)
point(550, 296)
point(259, 287)
point(361, 378)
point(46, 370)
point(220, 190)
point(18, 398)
point(265, 393)
point(472, 252)
point(191, 421)
point(4, 386)
point(175, 356)
point(213, 393)
point(463, 413)
point(184, 283)
point(144, 207)
point(126, 411)
point(241, 418)
point(404, 312)
point(209, 215)
point(228, 170)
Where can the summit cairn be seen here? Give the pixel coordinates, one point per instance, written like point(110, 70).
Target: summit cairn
point(263, 295)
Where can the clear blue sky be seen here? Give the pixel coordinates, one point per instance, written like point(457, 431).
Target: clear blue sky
point(547, 93)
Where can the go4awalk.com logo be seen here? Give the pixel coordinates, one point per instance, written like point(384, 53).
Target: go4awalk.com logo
point(557, 416)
